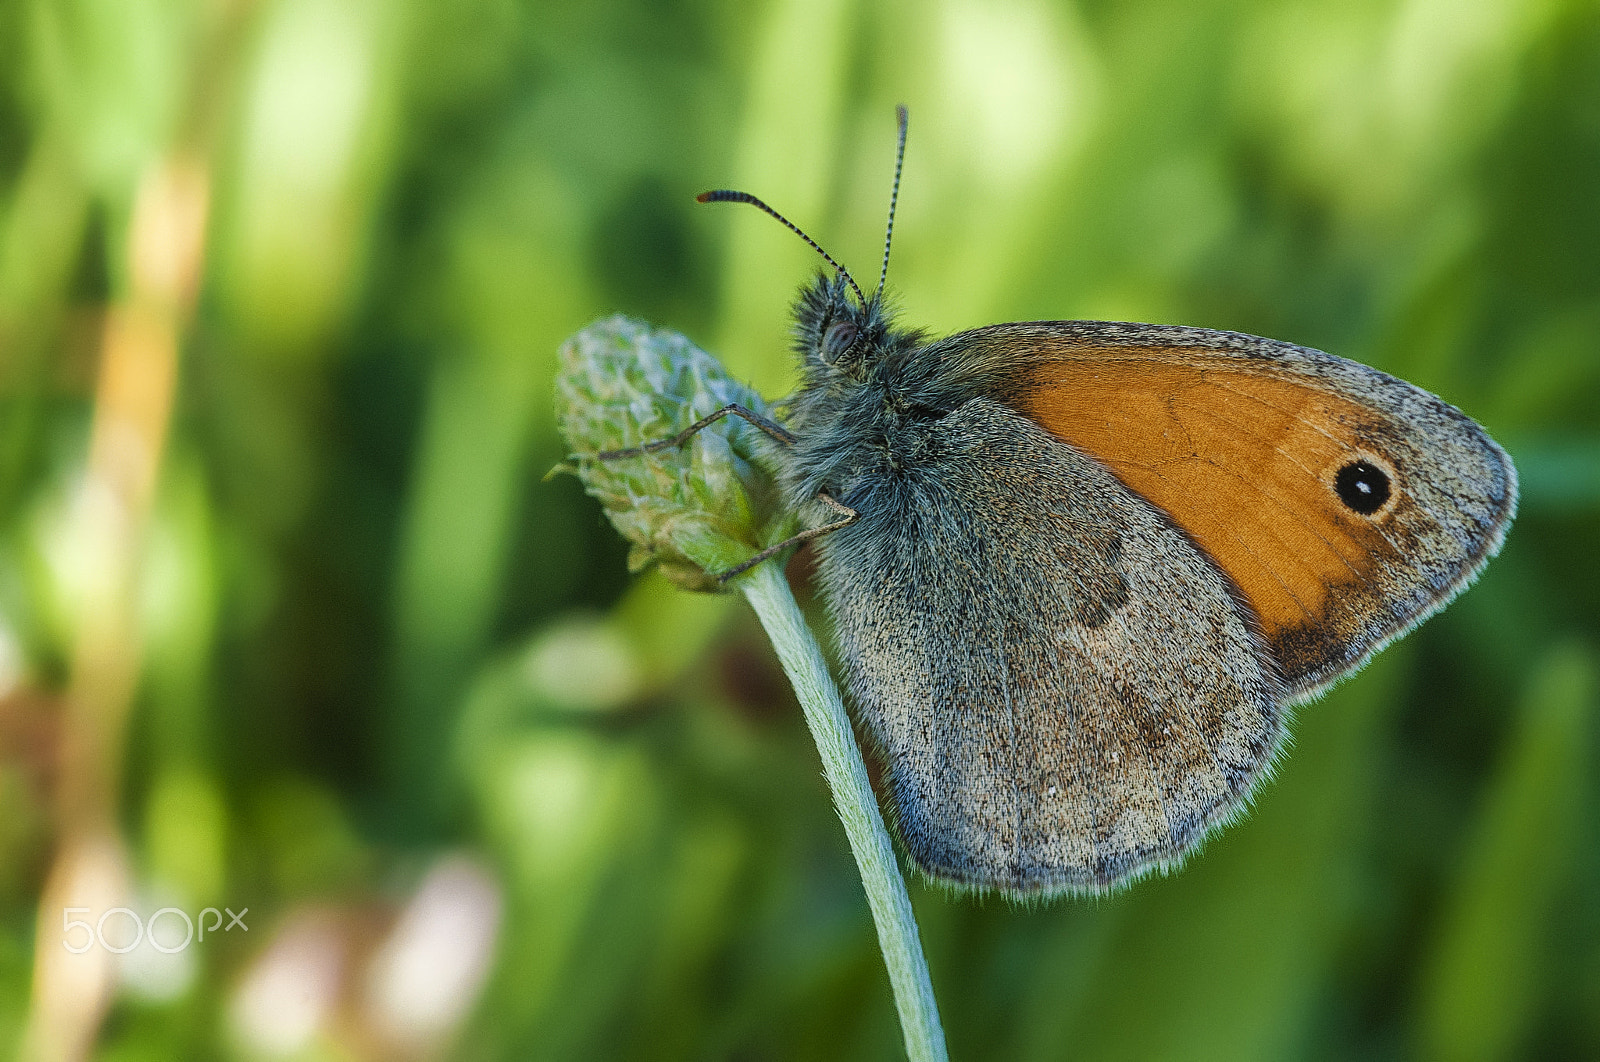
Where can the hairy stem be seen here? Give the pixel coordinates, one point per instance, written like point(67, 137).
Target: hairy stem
point(768, 593)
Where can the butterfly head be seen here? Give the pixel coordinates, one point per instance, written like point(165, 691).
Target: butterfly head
point(836, 334)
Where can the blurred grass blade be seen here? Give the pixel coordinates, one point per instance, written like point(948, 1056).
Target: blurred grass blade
point(452, 564)
point(800, 42)
point(1481, 988)
point(40, 240)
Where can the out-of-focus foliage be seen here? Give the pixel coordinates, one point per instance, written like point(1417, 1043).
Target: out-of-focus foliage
point(487, 796)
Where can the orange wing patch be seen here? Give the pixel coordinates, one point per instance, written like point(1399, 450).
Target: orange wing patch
point(1243, 461)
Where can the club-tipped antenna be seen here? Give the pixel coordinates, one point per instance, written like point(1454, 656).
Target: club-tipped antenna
point(894, 195)
point(723, 195)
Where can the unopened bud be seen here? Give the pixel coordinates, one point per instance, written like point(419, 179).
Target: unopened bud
point(699, 509)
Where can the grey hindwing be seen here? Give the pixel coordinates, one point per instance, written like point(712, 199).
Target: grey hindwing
point(1065, 691)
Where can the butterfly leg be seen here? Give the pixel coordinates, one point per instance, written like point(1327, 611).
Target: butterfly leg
point(777, 431)
point(848, 517)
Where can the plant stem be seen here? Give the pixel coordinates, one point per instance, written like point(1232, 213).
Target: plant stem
point(768, 593)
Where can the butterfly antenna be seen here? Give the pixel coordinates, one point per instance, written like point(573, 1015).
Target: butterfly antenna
point(894, 195)
point(725, 196)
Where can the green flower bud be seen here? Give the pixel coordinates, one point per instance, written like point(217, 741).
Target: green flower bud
point(699, 509)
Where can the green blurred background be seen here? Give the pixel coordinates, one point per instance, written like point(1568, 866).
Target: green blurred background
point(281, 287)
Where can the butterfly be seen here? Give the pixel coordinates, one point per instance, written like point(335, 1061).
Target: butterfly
point(1078, 571)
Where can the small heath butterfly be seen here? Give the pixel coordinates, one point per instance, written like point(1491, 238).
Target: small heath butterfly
point(1079, 570)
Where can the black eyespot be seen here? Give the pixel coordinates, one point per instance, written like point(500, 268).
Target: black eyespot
point(1362, 486)
point(837, 341)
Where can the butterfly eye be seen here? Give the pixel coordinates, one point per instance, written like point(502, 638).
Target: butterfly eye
point(837, 341)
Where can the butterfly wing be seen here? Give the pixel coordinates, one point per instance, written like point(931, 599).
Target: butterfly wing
point(1065, 690)
point(1074, 607)
point(1344, 504)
